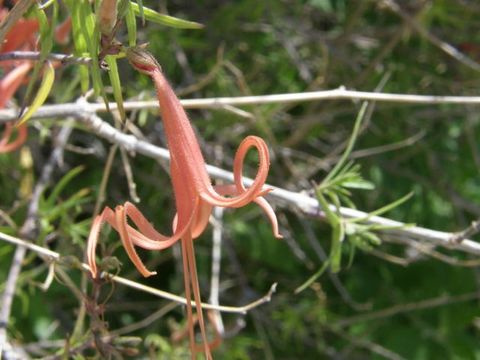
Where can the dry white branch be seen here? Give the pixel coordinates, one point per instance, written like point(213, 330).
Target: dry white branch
point(35, 55)
point(50, 255)
point(75, 109)
point(304, 202)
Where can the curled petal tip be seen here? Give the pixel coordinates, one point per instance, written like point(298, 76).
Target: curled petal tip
point(265, 191)
point(270, 214)
point(150, 273)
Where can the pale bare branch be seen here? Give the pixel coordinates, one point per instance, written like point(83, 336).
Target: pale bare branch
point(307, 204)
point(50, 255)
point(341, 93)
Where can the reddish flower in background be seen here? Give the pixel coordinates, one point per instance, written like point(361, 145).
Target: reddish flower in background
point(22, 36)
point(194, 195)
point(8, 85)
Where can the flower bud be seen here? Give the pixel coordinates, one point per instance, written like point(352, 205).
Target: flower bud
point(142, 60)
point(107, 16)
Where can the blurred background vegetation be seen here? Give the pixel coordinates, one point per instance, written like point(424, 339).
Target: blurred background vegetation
point(393, 301)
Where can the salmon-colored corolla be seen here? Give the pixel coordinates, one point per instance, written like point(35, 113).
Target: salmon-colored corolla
point(194, 194)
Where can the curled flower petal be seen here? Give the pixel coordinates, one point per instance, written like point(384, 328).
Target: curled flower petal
point(244, 196)
point(260, 201)
point(121, 221)
point(106, 215)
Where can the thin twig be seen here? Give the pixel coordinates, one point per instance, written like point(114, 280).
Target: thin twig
point(163, 294)
point(473, 229)
point(146, 321)
point(217, 234)
point(104, 182)
point(404, 308)
point(29, 230)
point(390, 258)
point(307, 204)
point(388, 147)
point(35, 55)
point(366, 344)
point(52, 255)
point(444, 46)
point(430, 251)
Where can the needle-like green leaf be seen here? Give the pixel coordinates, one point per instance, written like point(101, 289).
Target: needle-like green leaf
point(116, 84)
point(79, 41)
point(312, 278)
point(92, 37)
point(167, 20)
point(385, 208)
point(61, 185)
point(131, 26)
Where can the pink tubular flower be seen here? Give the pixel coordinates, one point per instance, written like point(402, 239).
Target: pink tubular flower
point(194, 194)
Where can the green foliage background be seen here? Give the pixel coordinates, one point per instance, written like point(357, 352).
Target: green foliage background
point(266, 47)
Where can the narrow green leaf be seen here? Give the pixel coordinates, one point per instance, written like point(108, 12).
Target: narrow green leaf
point(334, 198)
point(167, 20)
point(351, 255)
point(91, 34)
point(372, 238)
point(338, 235)
point(385, 208)
point(116, 84)
point(43, 91)
point(338, 231)
point(62, 183)
point(122, 8)
point(331, 216)
point(375, 227)
point(351, 142)
point(79, 41)
point(359, 184)
point(131, 26)
point(312, 278)
point(80, 197)
point(346, 201)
